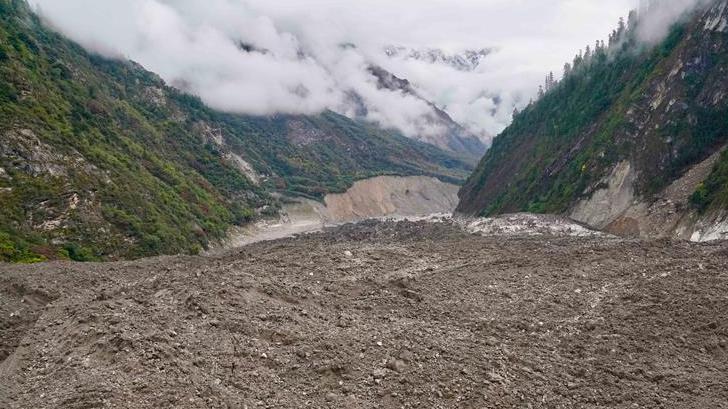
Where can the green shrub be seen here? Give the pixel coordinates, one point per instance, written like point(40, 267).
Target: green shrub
point(77, 252)
point(700, 198)
point(16, 251)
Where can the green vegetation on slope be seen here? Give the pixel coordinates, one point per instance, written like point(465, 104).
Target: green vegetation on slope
point(82, 139)
point(714, 191)
point(99, 159)
point(652, 105)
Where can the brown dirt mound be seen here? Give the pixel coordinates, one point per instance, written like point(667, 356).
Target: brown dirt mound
point(378, 314)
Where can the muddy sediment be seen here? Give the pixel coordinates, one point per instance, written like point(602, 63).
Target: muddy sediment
point(378, 314)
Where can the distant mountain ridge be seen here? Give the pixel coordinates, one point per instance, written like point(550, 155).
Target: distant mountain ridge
point(468, 60)
point(453, 137)
point(438, 128)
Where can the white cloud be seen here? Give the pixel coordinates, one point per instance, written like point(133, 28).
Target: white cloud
point(304, 69)
point(655, 20)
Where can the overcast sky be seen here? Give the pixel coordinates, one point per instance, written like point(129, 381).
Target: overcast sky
point(194, 44)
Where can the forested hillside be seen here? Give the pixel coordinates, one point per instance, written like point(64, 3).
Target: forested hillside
point(660, 108)
point(100, 159)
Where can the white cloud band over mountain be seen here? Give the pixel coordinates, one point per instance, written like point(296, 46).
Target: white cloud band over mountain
point(262, 57)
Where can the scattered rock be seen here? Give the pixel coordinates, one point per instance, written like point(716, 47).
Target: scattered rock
point(231, 330)
point(407, 356)
point(379, 373)
point(396, 365)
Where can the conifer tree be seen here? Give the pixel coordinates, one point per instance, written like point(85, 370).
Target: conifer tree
point(632, 20)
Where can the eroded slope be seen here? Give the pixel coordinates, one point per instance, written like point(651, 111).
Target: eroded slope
point(626, 122)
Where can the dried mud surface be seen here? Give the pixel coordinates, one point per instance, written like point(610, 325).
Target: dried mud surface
point(378, 314)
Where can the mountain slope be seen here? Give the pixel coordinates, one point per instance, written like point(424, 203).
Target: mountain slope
point(452, 137)
point(626, 124)
point(99, 159)
point(432, 125)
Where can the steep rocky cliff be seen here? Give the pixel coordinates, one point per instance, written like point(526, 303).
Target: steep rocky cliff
point(629, 141)
point(100, 159)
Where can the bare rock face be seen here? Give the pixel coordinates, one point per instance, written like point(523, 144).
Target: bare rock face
point(216, 136)
point(25, 152)
point(609, 202)
point(711, 228)
point(616, 208)
point(302, 133)
point(391, 196)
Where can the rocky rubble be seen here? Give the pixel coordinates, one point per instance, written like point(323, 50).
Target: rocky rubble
point(526, 224)
point(377, 314)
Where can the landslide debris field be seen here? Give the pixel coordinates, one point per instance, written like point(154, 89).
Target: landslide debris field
point(378, 314)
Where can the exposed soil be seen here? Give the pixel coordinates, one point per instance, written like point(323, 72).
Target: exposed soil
point(380, 197)
point(391, 196)
point(379, 314)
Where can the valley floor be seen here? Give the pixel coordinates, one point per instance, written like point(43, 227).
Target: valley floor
point(377, 314)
